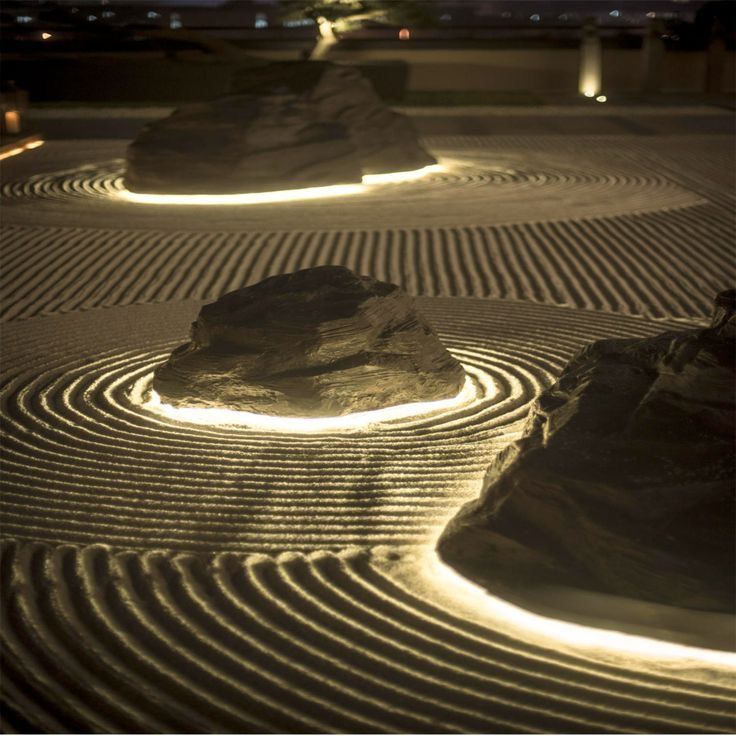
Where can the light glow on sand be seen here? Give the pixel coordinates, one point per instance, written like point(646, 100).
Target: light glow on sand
point(451, 583)
point(20, 149)
point(151, 401)
point(283, 195)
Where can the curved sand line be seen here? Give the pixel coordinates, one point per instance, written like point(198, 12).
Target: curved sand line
point(474, 186)
point(85, 464)
point(175, 642)
point(653, 265)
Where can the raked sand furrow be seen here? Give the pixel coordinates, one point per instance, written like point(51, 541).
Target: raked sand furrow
point(301, 643)
point(348, 604)
point(347, 623)
point(369, 577)
point(334, 633)
point(652, 265)
point(209, 608)
point(550, 220)
point(86, 461)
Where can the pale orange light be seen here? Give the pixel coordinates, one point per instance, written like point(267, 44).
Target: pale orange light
point(12, 121)
point(45, 36)
point(404, 34)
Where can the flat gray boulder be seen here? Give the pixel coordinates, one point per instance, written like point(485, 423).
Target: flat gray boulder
point(318, 342)
point(622, 484)
point(385, 140)
point(241, 143)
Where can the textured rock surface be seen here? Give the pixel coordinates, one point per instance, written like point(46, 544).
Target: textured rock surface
point(385, 140)
point(318, 342)
point(241, 143)
point(623, 482)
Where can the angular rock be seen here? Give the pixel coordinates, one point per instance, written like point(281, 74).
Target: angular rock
point(623, 482)
point(386, 141)
point(319, 342)
point(241, 143)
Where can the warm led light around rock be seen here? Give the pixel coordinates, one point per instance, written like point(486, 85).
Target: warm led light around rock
point(473, 596)
point(151, 401)
point(284, 195)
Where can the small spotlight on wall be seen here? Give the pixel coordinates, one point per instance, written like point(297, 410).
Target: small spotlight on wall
point(601, 98)
point(404, 34)
point(589, 79)
point(45, 36)
point(11, 122)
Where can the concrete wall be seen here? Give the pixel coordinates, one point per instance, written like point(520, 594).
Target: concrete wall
point(538, 69)
point(135, 78)
point(681, 71)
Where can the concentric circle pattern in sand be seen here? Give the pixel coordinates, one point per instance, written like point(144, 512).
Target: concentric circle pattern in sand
point(320, 642)
point(473, 187)
point(85, 464)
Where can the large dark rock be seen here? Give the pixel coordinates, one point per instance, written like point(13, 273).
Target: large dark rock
point(623, 482)
point(386, 141)
point(241, 143)
point(289, 125)
point(318, 342)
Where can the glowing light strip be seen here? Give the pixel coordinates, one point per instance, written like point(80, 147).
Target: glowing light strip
point(454, 585)
point(214, 416)
point(284, 195)
point(20, 149)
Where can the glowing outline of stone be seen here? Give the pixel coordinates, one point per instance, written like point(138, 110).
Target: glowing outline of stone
point(284, 195)
point(150, 400)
